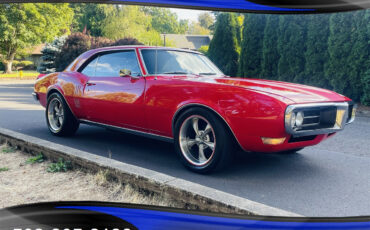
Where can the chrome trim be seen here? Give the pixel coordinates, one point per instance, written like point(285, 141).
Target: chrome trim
point(35, 96)
point(205, 106)
point(130, 131)
point(339, 125)
point(353, 117)
point(101, 52)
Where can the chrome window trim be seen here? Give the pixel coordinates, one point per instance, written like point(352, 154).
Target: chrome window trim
point(101, 52)
point(343, 105)
point(127, 130)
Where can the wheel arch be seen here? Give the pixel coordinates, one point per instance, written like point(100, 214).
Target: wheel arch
point(58, 91)
point(186, 107)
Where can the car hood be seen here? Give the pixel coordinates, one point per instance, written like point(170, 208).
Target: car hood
point(294, 92)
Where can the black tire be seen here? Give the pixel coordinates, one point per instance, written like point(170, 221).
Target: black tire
point(224, 144)
point(291, 151)
point(69, 124)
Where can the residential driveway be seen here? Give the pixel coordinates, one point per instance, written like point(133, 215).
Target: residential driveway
point(331, 179)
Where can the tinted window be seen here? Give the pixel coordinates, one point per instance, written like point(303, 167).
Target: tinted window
point(109, 65)
point(89, 70)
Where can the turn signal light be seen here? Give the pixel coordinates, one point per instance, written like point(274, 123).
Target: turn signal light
point(273, 141)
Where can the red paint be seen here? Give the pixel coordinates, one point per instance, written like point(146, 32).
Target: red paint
point(252, 108)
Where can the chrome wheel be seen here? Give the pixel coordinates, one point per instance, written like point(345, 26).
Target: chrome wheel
point(55, 114)
point(197, 140)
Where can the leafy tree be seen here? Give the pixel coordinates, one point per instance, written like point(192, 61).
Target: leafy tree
point(366, 88)
point(206, 20)
point(224, 46)
point(49, 53)
point(251, 47)
point(165, 21)
point(25, 25)
point(197, 29)
point(316, 54)
point(270, 53)
point(89, 17)
point(131, 21)
point(291, 46)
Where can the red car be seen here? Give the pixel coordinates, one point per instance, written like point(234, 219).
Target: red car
point(181, 96)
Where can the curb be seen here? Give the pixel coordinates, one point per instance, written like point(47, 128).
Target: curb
point(185, 192)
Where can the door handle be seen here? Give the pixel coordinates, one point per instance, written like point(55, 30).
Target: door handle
point(90, 84)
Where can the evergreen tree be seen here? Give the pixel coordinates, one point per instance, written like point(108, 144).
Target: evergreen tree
point(340, 49)
point(251, 48)
point(291, 46)
point(49, 53)
point(270, 54)
point(316, 54)
point(359, 57)
point(223, 49)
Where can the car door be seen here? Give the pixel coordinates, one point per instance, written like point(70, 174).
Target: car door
point(111, 98)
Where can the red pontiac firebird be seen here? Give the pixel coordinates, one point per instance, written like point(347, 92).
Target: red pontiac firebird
point(181, 96)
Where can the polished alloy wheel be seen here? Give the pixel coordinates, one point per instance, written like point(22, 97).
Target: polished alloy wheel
point(197, 140)
point(55, 114)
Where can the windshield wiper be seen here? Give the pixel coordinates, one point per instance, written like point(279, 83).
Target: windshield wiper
point(207, 73)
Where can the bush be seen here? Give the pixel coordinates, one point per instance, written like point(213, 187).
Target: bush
point(204, 49)
point(75, 45)
point(126, 42)
point(79, 43)
point(366, 86)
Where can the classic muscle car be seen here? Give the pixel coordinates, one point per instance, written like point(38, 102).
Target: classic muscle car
point(181, 96)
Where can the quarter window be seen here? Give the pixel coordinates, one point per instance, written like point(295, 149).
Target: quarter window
point(89, 70)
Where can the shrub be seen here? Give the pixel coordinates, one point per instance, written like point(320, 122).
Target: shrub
point(366, 86)
point(204, 49)
point(49, 53)
point(79, 43)
point(75, 45)
point(126, 42)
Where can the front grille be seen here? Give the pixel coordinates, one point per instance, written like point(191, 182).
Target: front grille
point(319, 118)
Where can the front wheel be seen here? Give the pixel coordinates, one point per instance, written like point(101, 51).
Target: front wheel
point(59, 117)
point(202, 141)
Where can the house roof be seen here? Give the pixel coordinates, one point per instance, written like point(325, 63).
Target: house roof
point(36, 50)
point(184, 41)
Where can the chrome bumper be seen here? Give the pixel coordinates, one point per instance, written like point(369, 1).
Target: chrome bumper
point(35, 96)
point(341, 119)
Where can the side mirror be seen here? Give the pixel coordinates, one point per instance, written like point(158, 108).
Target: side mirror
point(125, 72)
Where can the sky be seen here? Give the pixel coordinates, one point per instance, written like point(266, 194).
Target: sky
point(191, 15)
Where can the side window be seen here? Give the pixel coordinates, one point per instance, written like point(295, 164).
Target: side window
point(89, 70)
point(109, 65)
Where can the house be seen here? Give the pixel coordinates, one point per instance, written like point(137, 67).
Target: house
point(185, 41)
point(35, 54)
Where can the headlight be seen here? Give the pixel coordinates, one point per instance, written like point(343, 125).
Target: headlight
point(292, 120)
point(299, 119)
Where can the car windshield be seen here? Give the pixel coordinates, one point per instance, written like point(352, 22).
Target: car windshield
point(178, 62)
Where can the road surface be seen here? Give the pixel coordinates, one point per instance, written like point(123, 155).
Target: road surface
point(331, 179)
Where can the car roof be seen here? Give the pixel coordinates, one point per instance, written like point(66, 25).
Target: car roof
point(108, 48)
point(78, 62)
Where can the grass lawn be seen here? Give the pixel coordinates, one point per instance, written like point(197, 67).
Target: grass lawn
point(26, 75)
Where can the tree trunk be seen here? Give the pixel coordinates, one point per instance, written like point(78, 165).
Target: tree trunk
point(9, 63)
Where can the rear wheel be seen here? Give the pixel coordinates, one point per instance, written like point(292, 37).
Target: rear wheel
point(59, 117)
point(202, 141)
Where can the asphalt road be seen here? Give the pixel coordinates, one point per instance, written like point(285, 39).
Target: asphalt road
point(331, 179)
